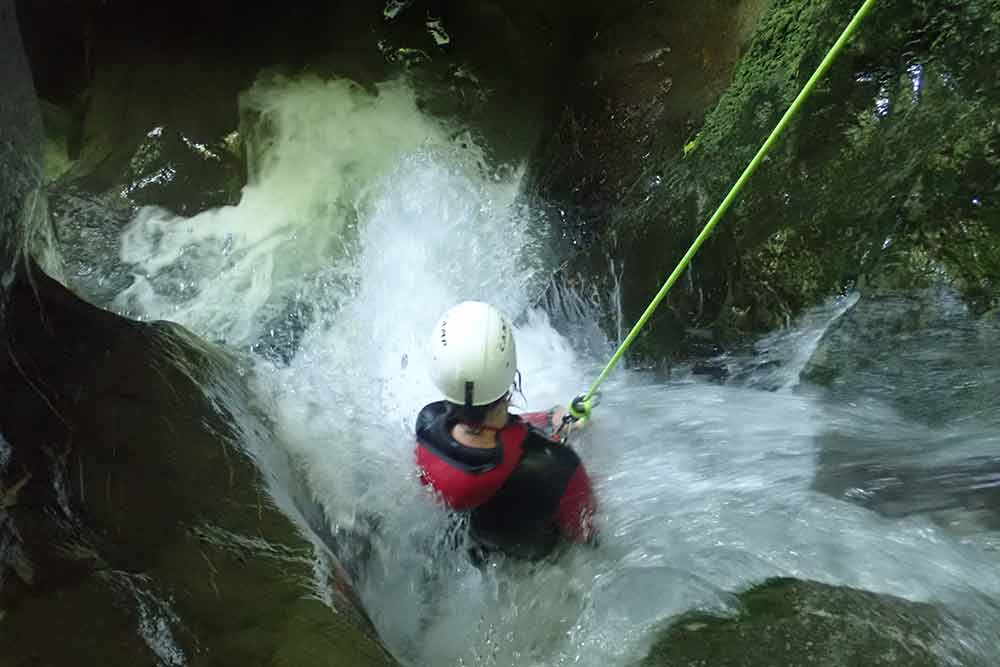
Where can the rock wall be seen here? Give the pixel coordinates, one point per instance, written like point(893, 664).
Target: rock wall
point(639, 89)
point(20, 148)
point(887, 178)
point(135, 524)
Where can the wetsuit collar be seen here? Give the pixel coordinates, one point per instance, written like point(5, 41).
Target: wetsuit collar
point(488, 429)
point(434, 432)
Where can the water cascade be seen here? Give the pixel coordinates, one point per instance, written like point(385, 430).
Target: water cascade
point(364, 219)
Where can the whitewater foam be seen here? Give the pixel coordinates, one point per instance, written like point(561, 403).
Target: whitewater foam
point(372, 214)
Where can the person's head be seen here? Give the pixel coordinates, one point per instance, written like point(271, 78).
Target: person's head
point(473, 360)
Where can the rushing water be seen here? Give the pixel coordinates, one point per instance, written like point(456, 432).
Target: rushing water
point(364, 220)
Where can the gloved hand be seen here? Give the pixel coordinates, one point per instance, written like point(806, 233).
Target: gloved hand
point(580, 409)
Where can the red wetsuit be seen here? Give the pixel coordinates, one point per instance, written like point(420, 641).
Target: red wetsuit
point(522, 496)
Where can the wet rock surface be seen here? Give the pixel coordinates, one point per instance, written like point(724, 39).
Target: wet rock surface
point(921, 361)
point(901, 346)
point(135, 521)
point(20, 146)
point(645, 78)
point(792, 622)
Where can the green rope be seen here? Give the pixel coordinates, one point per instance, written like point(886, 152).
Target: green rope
point(737, 187)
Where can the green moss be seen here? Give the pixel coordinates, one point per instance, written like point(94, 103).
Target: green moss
point(791, 622)
point(314, 637)
point(164, 512)
point(790, 41)
point(888, 177)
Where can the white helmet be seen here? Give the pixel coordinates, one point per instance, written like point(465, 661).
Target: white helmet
point(473, 360)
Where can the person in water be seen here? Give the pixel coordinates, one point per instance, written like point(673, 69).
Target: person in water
point(523, 488)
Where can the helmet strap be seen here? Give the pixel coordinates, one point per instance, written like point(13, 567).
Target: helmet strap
point(518, 386)
point(468, 393)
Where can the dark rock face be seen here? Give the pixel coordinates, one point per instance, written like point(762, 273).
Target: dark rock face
point(20, 146)
point(792, 622)
point(643, 81)
point(154, 100)
point(129, 505)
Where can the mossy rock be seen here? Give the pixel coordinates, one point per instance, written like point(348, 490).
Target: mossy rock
point(138, 506)
point(797, 623)
point(887, 178)
point(646, 75)
point(81, 623)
